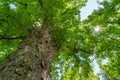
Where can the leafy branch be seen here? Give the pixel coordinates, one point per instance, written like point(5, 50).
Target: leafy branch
point(70, 9)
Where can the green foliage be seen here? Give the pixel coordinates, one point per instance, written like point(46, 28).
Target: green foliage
point(77, 40)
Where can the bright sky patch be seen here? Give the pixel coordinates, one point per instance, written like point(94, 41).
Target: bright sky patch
point(12, 6)
point(97, 29)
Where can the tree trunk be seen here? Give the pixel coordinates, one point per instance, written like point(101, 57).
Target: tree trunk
point(31, 61)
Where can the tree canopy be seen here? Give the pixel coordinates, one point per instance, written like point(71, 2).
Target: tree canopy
point(81, 43)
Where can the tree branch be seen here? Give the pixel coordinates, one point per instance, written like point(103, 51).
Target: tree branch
point(11, 38)
point(41, 3)
point(70, 9)
point(79, 49)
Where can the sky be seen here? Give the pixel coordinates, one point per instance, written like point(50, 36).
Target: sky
point(89, 8)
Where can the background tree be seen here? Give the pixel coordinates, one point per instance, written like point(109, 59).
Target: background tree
point(35, 29)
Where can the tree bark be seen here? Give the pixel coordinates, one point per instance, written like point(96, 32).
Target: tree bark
point(32, 59)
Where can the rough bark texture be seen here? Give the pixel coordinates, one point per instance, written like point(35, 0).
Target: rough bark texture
point(32, 59)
